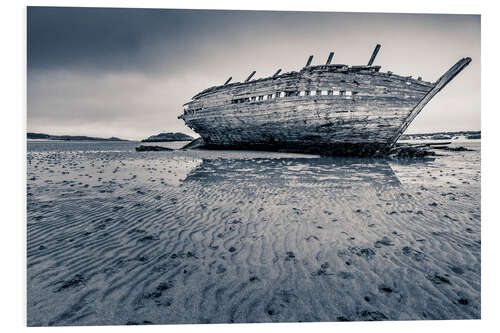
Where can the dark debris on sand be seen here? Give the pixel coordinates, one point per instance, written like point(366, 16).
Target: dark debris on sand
point(410, 151)
point(152, 148)
point(453, 148)
point(406, 150)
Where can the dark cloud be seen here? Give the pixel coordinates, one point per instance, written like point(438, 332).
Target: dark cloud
point(127, 72)
point(135, 39)
point(104, 38)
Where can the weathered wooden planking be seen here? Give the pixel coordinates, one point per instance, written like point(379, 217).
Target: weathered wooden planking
point(377, 107)
point(316, 69)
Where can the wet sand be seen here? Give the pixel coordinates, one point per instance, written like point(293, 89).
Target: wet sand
point(119, 237)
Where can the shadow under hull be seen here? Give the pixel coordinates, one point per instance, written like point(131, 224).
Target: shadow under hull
point(338, 149)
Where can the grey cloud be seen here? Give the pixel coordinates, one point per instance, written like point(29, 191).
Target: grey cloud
point(127, 72)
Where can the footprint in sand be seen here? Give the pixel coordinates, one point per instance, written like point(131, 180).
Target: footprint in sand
point(384, 241)
point(323, 270)
point(457, 270)
point(220, 269)
point(254, 279)
point(414, 254)
point(346, 275)
point(438, 279)
point(385, 289)
point(77, 281)
point(290, 256)
point(147, 238)
point(156, 295)
point(366, 253)
point(372, 315)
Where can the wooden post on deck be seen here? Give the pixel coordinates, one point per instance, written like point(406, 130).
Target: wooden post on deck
point(309, 61)
point(228, 80)
point(330, 57)
point(250, 76)
point(374, 54)
point(276, 74)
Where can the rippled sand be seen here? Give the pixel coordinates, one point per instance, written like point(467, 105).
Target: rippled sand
point(120, 237)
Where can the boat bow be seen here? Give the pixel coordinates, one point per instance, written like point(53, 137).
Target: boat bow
point(438, 86)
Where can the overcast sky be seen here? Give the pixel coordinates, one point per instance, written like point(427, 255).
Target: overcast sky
point(126, 72)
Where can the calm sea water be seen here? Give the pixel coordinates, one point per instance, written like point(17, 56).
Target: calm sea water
point(51, 145)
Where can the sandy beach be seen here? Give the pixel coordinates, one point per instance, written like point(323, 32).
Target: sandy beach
point(120, 237)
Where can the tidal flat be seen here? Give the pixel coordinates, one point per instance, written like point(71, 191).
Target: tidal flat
point(119, 237)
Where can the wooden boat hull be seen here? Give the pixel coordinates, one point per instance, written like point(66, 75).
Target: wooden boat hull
point(352, 112)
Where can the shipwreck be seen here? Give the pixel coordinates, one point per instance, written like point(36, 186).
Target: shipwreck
point(331, 109)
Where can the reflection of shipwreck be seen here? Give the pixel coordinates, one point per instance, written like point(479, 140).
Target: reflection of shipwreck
point(331, 109)
point(325, 171)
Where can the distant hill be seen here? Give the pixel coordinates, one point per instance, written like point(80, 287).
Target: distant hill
point(168, 137)
point(443, 135)
point(69, 137)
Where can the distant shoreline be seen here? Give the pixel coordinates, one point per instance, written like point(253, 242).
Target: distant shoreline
point(42, 136)
point(172, 137)
point(169, 137)
point(443, 135)
point(81, 141)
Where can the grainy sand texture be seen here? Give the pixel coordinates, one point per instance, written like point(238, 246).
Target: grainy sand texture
point(120, 237)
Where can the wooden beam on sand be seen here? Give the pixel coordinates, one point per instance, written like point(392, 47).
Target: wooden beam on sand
point(228, 80)
point(374, 54)
point(250, 76)
point(330, 57)
point(277, 73)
